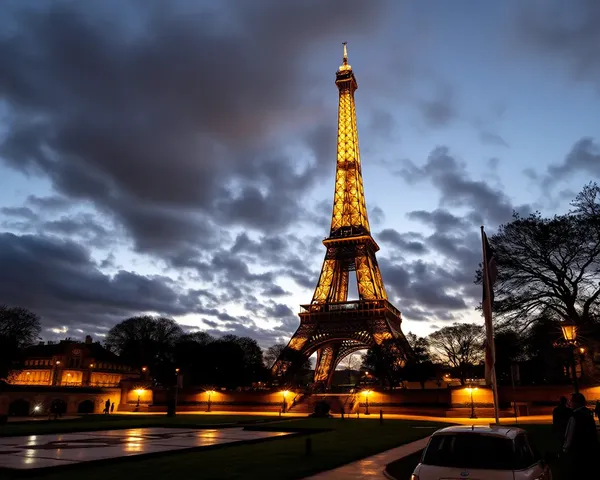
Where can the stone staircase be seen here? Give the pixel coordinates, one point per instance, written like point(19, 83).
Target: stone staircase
point(306, 405)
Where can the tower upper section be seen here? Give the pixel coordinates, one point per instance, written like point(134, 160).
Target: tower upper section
point(349, 208)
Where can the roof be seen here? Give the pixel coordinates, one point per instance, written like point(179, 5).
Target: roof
point(493, 430)
point(96, 350)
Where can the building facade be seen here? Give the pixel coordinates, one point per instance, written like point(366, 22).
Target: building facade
point(70, 363)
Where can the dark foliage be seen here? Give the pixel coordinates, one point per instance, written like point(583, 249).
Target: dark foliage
point(19, 328)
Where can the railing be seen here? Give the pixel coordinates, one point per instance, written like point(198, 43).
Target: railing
point(353, 305)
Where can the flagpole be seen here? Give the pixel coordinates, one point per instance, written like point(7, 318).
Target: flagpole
point(487, 312)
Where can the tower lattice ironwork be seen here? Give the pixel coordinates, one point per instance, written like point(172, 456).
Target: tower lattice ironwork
point(331, 325)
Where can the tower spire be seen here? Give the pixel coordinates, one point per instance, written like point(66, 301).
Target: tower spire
point(344, 66)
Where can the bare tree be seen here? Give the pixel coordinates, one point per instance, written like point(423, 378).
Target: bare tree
point(550, 267)
point(460, 346)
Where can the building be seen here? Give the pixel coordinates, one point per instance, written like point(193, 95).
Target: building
point(70, 363)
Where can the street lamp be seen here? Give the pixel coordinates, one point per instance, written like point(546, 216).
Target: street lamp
point(284, 403)
point(209, 392)
point(176, 386)
point(470, 390)
point(139, 392)
point(569, 331)
point(366, 393)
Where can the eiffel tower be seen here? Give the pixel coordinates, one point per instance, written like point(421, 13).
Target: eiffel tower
point(331, 325)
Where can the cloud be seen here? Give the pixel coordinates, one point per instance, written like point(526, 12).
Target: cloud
point(165, 121)
point(440, 110)
point(568, 33)
point(584, 157)
point(459, 190)
point(489, 138)
point(59, 280)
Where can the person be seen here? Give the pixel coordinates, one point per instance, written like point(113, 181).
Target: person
point(597, 410)
point(112, 407)
point(560, 418)
point(581, 439)
point(107, 407)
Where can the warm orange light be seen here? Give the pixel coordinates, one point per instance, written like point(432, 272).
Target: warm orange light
point(176, 370)
point(139, 392)
point(68, 374)
point(210, 392)
point(285, 393)
point(366, 393)
point(58, 362)
point(144, 369)
point(569, 331)
point(582, 350)
point(28, 373)
point(469, 389)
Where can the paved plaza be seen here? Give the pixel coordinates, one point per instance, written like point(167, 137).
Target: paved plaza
point(41, 451)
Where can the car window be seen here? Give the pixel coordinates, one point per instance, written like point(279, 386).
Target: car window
point(525, 456)
point(469, 450)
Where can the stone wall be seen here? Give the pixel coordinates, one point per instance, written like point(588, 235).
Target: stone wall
point(29, 397)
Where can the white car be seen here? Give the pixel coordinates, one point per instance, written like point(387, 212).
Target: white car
point(481, 453)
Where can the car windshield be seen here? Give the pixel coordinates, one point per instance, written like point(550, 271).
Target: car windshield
point(470, 450)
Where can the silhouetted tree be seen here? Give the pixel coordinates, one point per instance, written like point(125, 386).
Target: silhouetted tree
point(510, 349)
point(383, 363)
point(147, 341)
point(549, 267)
point(460, 346)
point(19, 328)
point(420, 368)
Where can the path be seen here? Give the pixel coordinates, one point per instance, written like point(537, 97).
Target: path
point(371, 467)
point(391, 416)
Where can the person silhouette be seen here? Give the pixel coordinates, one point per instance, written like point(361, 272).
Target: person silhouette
point(560, 418)
point(581, 439)
point(107, 407)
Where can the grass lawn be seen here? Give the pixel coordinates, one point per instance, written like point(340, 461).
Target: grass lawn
point(348, 440)
point(540, 435)
point(104, 422)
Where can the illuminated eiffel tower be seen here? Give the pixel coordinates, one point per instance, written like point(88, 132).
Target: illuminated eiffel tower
point(331, 325)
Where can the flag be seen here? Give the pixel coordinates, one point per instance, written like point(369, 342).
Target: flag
point(491, 270)
point(490, 274)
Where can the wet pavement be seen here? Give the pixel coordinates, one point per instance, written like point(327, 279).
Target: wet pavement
point(371, 467)
point(40, 451)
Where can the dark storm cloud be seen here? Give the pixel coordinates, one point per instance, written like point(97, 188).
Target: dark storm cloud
point(408, 242)
point(458, 189)
point(162, 116)
point(59, 280)
point(423, 287)
point(566, 31)
point(584, 157)
point(440, 219)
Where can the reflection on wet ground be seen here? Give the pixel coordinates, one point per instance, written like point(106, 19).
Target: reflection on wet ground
point(40, 451)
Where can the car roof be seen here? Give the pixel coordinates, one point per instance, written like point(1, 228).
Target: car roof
point(492, 430)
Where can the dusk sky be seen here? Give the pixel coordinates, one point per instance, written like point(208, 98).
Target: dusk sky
point(177, 157)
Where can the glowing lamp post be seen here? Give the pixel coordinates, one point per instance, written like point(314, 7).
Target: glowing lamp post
point(471, 390)
point(366, 393)
point(209, 393)
point(176, 386)
point(284, 394)
point(139, 392)
point(569, 331)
